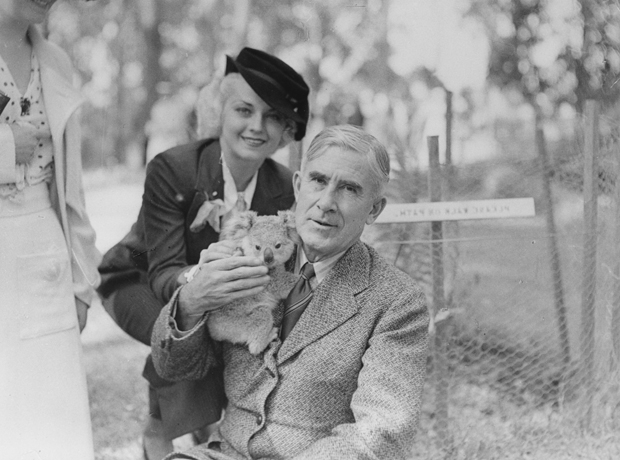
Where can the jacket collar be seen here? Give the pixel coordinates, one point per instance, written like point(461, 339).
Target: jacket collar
point(333, 302)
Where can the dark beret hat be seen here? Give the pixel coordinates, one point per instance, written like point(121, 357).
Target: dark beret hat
point(277, 83)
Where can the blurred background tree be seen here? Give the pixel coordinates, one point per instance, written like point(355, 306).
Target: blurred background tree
point(132, 56)
point(551, 57)
point(141, 64)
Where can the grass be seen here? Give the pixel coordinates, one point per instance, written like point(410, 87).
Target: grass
point(505, 400)
point(485, 425)
point(117, 392)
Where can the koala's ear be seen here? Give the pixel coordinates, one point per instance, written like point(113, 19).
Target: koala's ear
point(287, 219)
point(238, 225)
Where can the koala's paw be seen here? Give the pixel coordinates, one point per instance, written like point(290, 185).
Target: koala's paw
point(272, 334)
point(258, 345)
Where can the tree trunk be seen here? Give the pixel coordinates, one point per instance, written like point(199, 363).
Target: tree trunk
point(150, 16)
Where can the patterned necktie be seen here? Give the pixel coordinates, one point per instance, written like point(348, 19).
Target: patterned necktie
point(297, 300)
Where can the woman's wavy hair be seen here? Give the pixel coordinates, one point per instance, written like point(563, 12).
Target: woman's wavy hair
point(210, 103)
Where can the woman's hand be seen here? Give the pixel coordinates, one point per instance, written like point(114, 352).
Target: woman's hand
point(219, 282)
point(26, 139)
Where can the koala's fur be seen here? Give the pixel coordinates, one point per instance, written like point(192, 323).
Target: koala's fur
point(251, 320)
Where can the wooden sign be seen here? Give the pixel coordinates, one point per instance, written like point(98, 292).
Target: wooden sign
point(457, 210)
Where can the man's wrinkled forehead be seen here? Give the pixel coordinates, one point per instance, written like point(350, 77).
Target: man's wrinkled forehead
point(337, 177)
point(324, 155)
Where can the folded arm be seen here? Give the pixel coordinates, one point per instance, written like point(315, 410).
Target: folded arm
point(7, 159)
point(18, 142)
point(182, 355)
point(181, 346)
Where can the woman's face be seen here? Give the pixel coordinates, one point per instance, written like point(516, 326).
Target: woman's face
point(251, 130)
point(25, 11)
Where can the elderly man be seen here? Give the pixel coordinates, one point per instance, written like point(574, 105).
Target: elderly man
point(343, 380)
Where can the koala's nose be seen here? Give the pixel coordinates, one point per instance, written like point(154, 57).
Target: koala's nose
point(268, 256)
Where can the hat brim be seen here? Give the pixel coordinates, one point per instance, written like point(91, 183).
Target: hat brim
point(268, 90)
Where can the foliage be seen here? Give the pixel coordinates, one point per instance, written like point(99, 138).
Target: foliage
point(554, 51)
point(132, 54)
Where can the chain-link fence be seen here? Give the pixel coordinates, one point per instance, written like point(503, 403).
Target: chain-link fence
point(522, 362)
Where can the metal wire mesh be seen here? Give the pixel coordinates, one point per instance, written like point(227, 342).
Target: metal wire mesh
point(523, 363)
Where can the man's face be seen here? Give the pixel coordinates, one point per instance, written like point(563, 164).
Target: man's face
point(335, 199)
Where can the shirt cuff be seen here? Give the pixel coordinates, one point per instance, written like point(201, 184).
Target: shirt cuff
point(174, 327)
point(7, 159)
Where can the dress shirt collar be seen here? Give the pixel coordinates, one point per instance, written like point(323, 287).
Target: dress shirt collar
point(321, 268)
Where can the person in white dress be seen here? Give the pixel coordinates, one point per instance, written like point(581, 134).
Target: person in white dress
point(48, 259)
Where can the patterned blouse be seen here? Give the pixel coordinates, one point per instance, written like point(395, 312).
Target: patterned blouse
point(28, 108)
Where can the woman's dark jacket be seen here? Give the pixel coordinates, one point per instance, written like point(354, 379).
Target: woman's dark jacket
point(178, 181)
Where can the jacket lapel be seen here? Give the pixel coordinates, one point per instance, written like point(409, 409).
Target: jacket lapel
point(209, 183)
point(333, 302)
point(60, 96)
point(61, 101)
point(210, 179)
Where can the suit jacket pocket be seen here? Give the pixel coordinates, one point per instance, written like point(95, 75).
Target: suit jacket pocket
point(46, 301)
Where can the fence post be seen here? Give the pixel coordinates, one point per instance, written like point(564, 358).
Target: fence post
point(554, 253)
point(590, 189)
point(449, 176)
point(440, 367)
point(615, 312)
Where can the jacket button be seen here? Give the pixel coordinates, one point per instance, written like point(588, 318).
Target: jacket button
point(259, 419)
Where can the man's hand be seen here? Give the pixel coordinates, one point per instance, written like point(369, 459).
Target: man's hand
point(26, 139)
point(217, 283)
point(82, 313)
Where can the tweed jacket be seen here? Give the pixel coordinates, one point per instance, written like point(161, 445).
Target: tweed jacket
point(178, 182)
point(345, 384)
point(62, 101)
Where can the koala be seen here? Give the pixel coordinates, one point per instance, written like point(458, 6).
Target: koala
point(251, 320)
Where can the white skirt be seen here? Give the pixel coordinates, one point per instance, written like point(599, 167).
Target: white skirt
point(44, 413)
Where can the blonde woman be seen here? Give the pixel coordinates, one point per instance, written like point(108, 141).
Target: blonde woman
point(259, 106)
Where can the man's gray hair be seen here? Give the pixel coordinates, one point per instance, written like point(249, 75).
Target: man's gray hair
point(210, 105)
point(353, 139)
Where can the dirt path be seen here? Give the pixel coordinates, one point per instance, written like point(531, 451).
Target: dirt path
point(114, 361)
point(118, 393)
